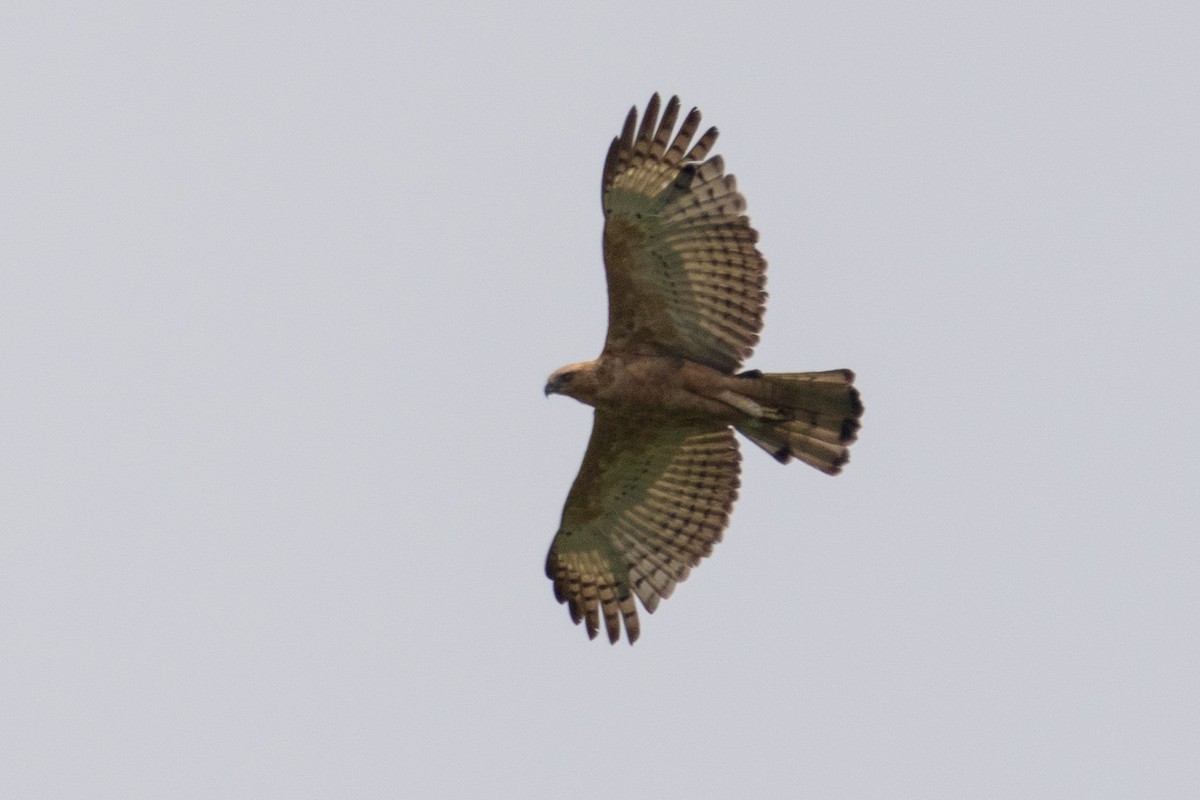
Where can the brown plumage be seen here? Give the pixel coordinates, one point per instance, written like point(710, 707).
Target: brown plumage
point(685, 305)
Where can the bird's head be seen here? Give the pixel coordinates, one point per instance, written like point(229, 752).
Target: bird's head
point(574, 380)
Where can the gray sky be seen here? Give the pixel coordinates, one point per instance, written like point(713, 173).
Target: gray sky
point(279, 289)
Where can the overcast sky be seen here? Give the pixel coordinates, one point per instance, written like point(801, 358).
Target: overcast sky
point(279, 291)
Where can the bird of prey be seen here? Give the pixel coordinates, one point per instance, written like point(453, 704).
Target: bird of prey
point(685, 305)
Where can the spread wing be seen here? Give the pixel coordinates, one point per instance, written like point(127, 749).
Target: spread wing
point(684, 276)
point(649, 502)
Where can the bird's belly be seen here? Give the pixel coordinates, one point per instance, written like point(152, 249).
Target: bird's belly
point(666, 387)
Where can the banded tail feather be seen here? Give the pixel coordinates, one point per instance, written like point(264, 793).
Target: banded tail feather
point(820, 409)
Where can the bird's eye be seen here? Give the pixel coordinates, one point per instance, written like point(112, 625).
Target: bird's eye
point(568, 377)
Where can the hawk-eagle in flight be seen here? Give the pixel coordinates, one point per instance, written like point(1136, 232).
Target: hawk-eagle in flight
point(685, 305)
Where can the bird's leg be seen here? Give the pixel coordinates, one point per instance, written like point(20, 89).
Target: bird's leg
point(752, 408)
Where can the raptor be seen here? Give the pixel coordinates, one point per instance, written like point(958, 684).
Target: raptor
point(685, 307)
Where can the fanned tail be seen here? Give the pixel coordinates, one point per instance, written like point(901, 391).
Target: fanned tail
point(819, 411)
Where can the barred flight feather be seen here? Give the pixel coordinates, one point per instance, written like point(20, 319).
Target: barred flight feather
point(677, 487)
point(674, 155)
point(674, 237)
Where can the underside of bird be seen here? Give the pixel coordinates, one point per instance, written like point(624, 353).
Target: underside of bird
point(686, 295)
